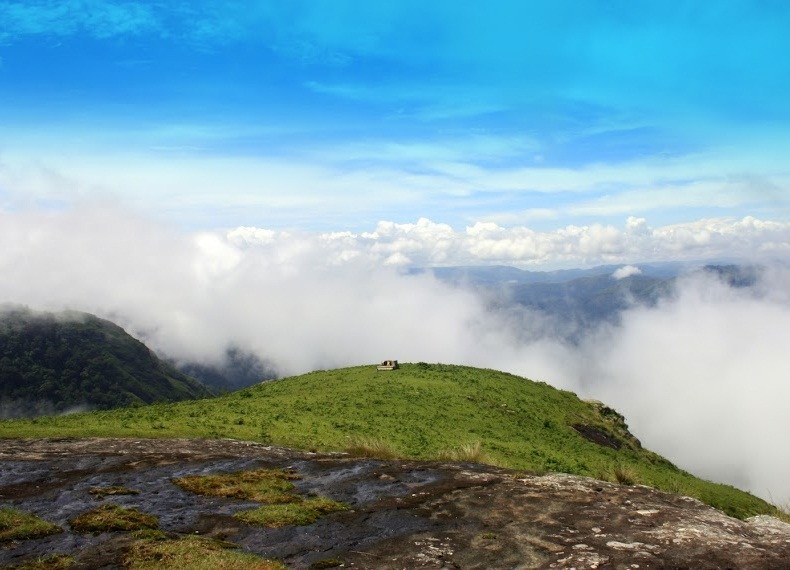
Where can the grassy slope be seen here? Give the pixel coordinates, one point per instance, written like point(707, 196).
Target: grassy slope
point(420, 410)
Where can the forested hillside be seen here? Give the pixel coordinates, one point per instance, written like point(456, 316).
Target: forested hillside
point(54, 362)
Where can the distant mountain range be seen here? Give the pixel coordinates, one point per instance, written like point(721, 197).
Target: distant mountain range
point(56, 362)
point(585, 298)
point(238, 369)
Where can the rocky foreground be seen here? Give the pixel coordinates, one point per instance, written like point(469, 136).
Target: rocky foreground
point(404, 514)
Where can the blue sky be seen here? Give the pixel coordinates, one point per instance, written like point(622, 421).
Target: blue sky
point(336, 115)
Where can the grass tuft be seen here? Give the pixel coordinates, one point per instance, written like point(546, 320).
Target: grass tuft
point(467, 453)
point(101, 492)
point(109, 518)
point(302, 513)
point(261, 485)
point(372, 447)
point(149, 534)
point(19, 525)
point(624, 474)
point(783, 513)
point(193, 553)
point(282, 506)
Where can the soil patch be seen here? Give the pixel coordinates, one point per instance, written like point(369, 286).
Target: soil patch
point(597, 435)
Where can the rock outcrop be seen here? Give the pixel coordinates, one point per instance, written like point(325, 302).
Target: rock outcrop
point(403, 514)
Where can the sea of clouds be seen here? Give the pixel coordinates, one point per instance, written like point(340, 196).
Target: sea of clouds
point(703, 378)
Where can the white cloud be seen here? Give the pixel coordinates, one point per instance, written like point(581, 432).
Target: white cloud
point(703, 379)
point(626, 271)
point(429, 243)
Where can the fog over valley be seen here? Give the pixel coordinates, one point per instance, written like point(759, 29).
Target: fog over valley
point(699, 366)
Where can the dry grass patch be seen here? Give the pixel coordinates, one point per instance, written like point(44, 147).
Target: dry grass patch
point(19, 525)
point(305, 512)
point(282, 506)
point(260, 485)
point(113, 517)
point(194, 553)
point(101, 492)
point(372, 447)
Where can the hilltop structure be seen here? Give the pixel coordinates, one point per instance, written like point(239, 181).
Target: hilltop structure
point(388, 365)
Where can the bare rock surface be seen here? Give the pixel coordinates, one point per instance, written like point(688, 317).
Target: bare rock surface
point(404, 514)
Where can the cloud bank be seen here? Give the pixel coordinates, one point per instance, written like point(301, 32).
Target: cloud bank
point(429, 243)
point(701, 377)
point(705, 380)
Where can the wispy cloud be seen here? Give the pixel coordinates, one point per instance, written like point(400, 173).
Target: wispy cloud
point(355, 184)
point(97, 18)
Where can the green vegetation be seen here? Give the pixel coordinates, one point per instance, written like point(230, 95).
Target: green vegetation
point(273, 487)
point(101, 492)
point(18, 525)
point(113, 517)
point(51, 362)
point(782, 513)
point(261, 485)
point(622, 474)
point(193, 553)
point(304, 512)
point(422, 411)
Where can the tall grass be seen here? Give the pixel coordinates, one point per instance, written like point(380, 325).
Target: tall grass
point(373, 447)
point(466, 453)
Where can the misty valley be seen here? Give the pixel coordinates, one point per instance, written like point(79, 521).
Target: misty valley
point(61, 362)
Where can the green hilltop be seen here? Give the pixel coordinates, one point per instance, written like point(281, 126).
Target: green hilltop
point(420, 411)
